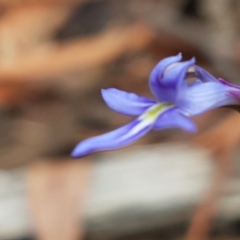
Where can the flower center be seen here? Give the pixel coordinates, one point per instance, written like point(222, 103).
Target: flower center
point(155, 110)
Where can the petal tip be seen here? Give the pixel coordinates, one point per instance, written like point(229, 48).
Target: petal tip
point(193, 60)
point(104, 90)
point(79, 151)
point(75, 153)
point(105, 93)
point(193, 129)
point(178, 57)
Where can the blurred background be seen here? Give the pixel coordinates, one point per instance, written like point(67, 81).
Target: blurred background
point(55, 56)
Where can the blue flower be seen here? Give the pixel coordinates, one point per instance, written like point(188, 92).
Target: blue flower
point(177, 100)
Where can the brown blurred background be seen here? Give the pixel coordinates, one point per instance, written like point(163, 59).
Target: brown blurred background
point(55, 56)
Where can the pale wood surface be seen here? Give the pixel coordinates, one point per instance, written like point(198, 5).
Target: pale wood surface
point(148, 188)
point(132, 191)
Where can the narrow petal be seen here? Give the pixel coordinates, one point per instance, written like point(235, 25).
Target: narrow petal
point(228, 83)
point(200, 98)
point(126, 103)
point(112, 140)
point(156, 75)
point(235, 94)
point(122, 136)
point(173, 119)
point(176, 74)
point(169, 83)
point(204, 75)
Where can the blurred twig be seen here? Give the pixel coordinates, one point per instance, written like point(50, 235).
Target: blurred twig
point(57, 193)
point(222, 141)
point(202, 219)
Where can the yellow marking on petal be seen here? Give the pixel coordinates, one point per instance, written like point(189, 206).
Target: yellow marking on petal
point(148, 118)
point(153, 112)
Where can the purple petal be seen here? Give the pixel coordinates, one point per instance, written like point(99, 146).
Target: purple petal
point(156, 74)
point(126, 103)
point(176, 74)
point(123, 135)
point(114, 139)
point(235, 94)
point(165, 85)
point(173, 119)
point(199, 98)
